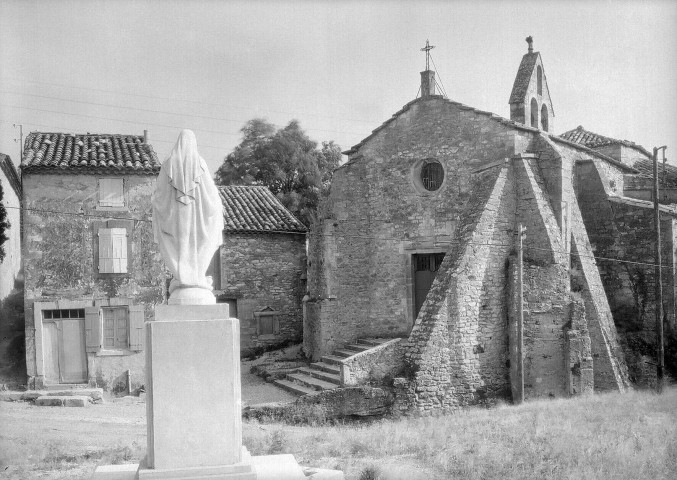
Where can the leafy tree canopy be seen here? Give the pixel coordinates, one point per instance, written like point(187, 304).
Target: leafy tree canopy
point(4, 225)
point(286, 161)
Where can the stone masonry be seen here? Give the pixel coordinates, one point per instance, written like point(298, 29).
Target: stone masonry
point(460, 347)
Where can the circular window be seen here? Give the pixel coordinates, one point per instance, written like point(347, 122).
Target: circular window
point(432, 176)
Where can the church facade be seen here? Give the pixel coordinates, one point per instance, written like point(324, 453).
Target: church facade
point(418, 240)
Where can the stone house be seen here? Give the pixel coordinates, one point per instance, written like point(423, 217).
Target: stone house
point(260, 270)
point(92, 271)
point(618, 214)
point(11, 331)
point(418, 238)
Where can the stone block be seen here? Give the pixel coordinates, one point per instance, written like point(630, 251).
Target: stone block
point(49, 401)
point(76, 401)
point(193, 406)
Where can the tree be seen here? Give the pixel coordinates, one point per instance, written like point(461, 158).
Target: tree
point(286, 161)
point(4, 225)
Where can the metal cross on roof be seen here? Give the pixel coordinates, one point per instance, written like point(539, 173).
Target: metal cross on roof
point(427, 49)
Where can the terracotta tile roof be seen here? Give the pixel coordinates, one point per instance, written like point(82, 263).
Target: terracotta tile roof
point(592, 152)
point(667, 175)
point(88, 153)
point(523, 77)
point(256, 209)
point(593, 140)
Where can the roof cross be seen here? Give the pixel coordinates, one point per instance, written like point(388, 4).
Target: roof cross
point(427, 49)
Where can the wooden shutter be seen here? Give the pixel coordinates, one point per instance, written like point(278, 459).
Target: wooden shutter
point(105, 251)
point(136, 328)
point(111, 192)
point(276, 325)
point(119, 249)
point(92, 329)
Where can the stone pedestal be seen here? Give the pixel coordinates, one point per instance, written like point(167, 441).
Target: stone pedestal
point(193, 387)
point(193, 404)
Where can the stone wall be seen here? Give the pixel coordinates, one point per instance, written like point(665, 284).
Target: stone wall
point(378, 215)
point(374, 365)
point(621, 232)
point(59, 265)
point(10, 266)
point(264, 273)
point(12, 364)
point(454, 355)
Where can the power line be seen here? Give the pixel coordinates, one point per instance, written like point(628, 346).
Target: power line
point(365, 237)
point(220, 132)
point(68, 129)
point(197, 102)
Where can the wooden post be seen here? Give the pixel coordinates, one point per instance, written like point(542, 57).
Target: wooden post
point(520, 315)
point(660, 352)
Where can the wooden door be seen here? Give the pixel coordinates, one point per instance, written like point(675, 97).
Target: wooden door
point(425, 269)
point(72, 356)
point(64, 357)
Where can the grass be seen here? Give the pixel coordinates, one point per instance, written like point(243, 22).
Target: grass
point(608, 436)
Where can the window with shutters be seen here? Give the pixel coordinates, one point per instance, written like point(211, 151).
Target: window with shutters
point(111, 192)
point(112, 250)
point(112, 246)
point(267, 322)
point(114, 328)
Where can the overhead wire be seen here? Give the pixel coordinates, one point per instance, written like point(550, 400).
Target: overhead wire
point(103, 214)
point(198, 102)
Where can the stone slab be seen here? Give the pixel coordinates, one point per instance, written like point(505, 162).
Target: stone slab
point(62, 401)
point(165, 313)
point(116, 472)
point(265, 467)
point(193, 404)
point(239, 471)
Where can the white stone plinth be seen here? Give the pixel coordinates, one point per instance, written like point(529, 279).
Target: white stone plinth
point(193, 404)
point(191, 296)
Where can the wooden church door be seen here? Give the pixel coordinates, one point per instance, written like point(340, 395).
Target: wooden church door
point(425, 269)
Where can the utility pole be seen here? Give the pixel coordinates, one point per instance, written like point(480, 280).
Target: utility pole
point(660, 349)
point(20, 140)
point(520, 314)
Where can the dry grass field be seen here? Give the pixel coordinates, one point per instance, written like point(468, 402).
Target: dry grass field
point(610, 436)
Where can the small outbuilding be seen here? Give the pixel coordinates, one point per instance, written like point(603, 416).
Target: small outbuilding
point(260, 270)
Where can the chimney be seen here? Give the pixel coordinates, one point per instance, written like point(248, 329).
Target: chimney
point(427, 83)
point(145, 136)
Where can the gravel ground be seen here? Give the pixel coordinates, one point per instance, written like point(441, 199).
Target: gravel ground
point(53, 443)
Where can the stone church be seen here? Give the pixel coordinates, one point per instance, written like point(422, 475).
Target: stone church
point(418, 240)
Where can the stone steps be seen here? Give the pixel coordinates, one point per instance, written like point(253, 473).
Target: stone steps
point(294, 387)
point(326, 367)
point(309, 381)
point(334, 378)
point(343, 353)
point(62, 401)
point(95, 394)
point(332, 359)
point(325, 374)
point(355, 348)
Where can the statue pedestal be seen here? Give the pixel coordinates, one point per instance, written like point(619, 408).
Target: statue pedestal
point(193, 387)
point(193, 404)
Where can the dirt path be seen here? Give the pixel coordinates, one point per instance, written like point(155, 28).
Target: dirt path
point(53, 443)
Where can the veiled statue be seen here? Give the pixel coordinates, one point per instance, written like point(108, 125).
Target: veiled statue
point(187, 221)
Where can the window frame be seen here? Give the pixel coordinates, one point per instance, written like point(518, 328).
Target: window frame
point(128, 225)
point(417, 176)
point(115, 206)
point(267, 313)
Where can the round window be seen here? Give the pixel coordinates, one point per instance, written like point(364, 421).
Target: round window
point(432, 176)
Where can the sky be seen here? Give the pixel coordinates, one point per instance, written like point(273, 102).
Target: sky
point(340, 68)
